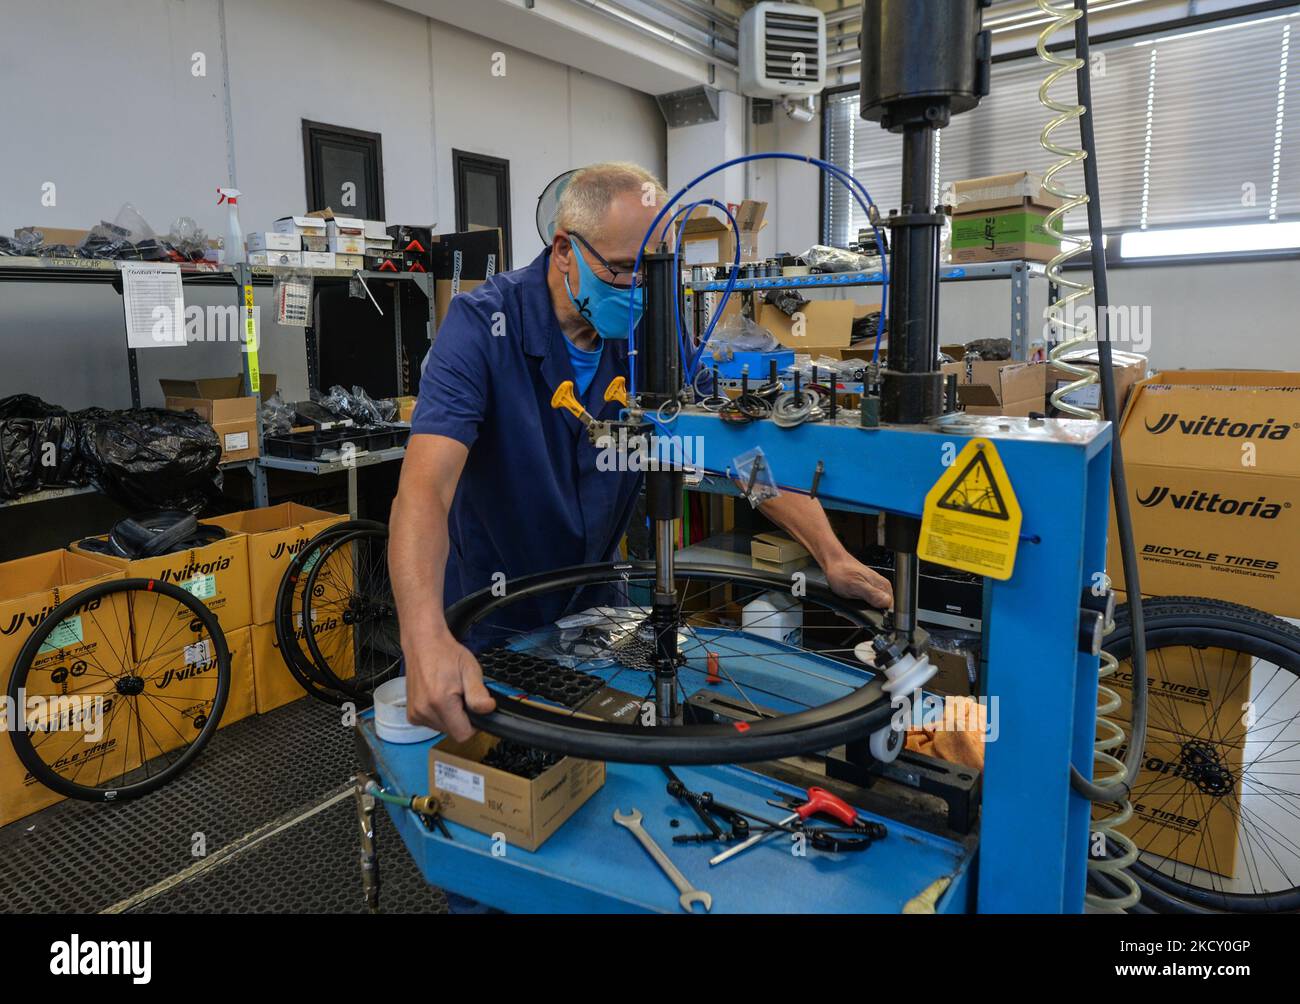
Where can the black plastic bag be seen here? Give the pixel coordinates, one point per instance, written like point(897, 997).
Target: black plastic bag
point(148, 457)
point(38, 447)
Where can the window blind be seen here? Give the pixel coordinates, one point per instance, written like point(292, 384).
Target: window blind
point(1201, 126)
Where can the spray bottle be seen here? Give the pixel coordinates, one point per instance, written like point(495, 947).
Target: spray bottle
point(234, 249)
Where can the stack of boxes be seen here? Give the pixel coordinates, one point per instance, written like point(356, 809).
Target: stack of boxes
point(29, 589)
point(310, 231)
point(237, 578)
point(274, 536)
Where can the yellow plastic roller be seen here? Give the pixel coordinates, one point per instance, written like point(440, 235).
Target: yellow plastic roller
point(566, 399)
point(617, 391)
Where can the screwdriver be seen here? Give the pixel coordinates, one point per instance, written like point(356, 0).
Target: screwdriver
point(820, 802)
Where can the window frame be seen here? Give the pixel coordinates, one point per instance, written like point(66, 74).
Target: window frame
point(463, 160)
point(371, 142)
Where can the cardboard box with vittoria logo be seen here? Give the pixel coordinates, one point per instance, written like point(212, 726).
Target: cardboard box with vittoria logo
point(180, 689)
point(217, 574)
point(1213, 464)
point(275, 535)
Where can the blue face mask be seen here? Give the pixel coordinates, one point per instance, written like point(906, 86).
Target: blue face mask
point(603, 306)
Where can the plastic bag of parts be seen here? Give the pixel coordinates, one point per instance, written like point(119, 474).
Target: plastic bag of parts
point(187, 239)
point(990, 349)
point(841, 370)
point(866, 327)
point(753, 475)
point(277, 415)
point(821, 258)
point(601, 636)
point(128, 237)
point(292, 294)
point(356, 405)
point(740, 334)
point(148, 457)
point(788, 301)
point(38, 447)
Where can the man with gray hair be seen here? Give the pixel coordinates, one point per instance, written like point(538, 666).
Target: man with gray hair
point(497, 483)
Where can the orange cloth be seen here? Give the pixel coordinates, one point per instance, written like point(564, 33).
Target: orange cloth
point(958, 738)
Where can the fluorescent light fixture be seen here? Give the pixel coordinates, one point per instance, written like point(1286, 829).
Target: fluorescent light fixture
point(1210, 240)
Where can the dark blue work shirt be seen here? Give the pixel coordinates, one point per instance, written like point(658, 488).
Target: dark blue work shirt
point(530, 498)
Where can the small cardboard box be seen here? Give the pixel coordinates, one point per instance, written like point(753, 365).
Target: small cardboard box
point(346, 244)
point(997, 387)
point(219, 401)
point(1213, 464)
point(707, 240)
point(349, 261)
point(492, 801)
point(303, 226)
point(337, 226)
point(775, 548)
point(318, 259)
point(275, 535)
point(33, 586)
point(51, 236)
point(273, 685)
point(182, 691)
point(111, 753)
point(826, 327)
point(216, 574)
point(1129, 368)
point(1173, 815)
point(1001, 217)
point(274, 240)
point(276, 259)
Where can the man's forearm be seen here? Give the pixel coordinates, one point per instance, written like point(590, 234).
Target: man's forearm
point(805, 520)
point(417, 564)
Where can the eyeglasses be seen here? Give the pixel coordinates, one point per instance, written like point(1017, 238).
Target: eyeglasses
point(620, 278)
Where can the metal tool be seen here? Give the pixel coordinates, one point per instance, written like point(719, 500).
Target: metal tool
point(689, 894)
point(819, 801)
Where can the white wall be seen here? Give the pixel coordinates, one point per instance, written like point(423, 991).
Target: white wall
point(118, 116)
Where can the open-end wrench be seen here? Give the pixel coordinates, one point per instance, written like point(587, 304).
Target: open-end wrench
point(689, 894)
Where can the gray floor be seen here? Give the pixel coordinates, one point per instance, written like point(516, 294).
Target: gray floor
point(268, 807)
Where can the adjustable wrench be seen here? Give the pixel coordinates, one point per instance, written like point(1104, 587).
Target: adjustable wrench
point(689, 894)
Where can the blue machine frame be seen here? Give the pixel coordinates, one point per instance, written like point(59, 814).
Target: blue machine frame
point(1033, 831)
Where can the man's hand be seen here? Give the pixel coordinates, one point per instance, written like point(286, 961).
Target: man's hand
point(442, 679)
point(851, 579)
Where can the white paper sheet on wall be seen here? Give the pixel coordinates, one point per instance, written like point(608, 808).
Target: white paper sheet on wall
point(154, 302)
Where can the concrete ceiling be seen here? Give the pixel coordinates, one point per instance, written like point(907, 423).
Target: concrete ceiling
point(571, 32)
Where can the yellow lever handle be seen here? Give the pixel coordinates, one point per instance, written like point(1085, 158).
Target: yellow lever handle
point(617, 391)
point(566, 399)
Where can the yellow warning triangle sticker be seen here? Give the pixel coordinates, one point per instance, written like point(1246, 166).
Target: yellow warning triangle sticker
point(972, 519)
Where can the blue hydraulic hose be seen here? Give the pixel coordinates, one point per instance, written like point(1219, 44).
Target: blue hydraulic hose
point(691, 361)
point(856, 189)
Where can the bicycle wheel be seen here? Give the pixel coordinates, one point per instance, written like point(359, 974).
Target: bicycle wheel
point(1217, 805)
point(789, 698)
point(289, 620)
point(122, 716)
point(348, 598)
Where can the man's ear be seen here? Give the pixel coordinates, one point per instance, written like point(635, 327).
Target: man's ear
point(561, 250)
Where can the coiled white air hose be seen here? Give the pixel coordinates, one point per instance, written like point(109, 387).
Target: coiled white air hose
point(1070, 334)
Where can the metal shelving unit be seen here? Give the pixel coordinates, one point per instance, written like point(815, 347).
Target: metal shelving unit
point(1018, 272)
point(241, 276)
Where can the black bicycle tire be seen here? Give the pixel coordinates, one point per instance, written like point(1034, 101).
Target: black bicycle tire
point(18, 678)
point(1221, 624)
point(295, 659)
point(860, 713)
point(347, 686)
